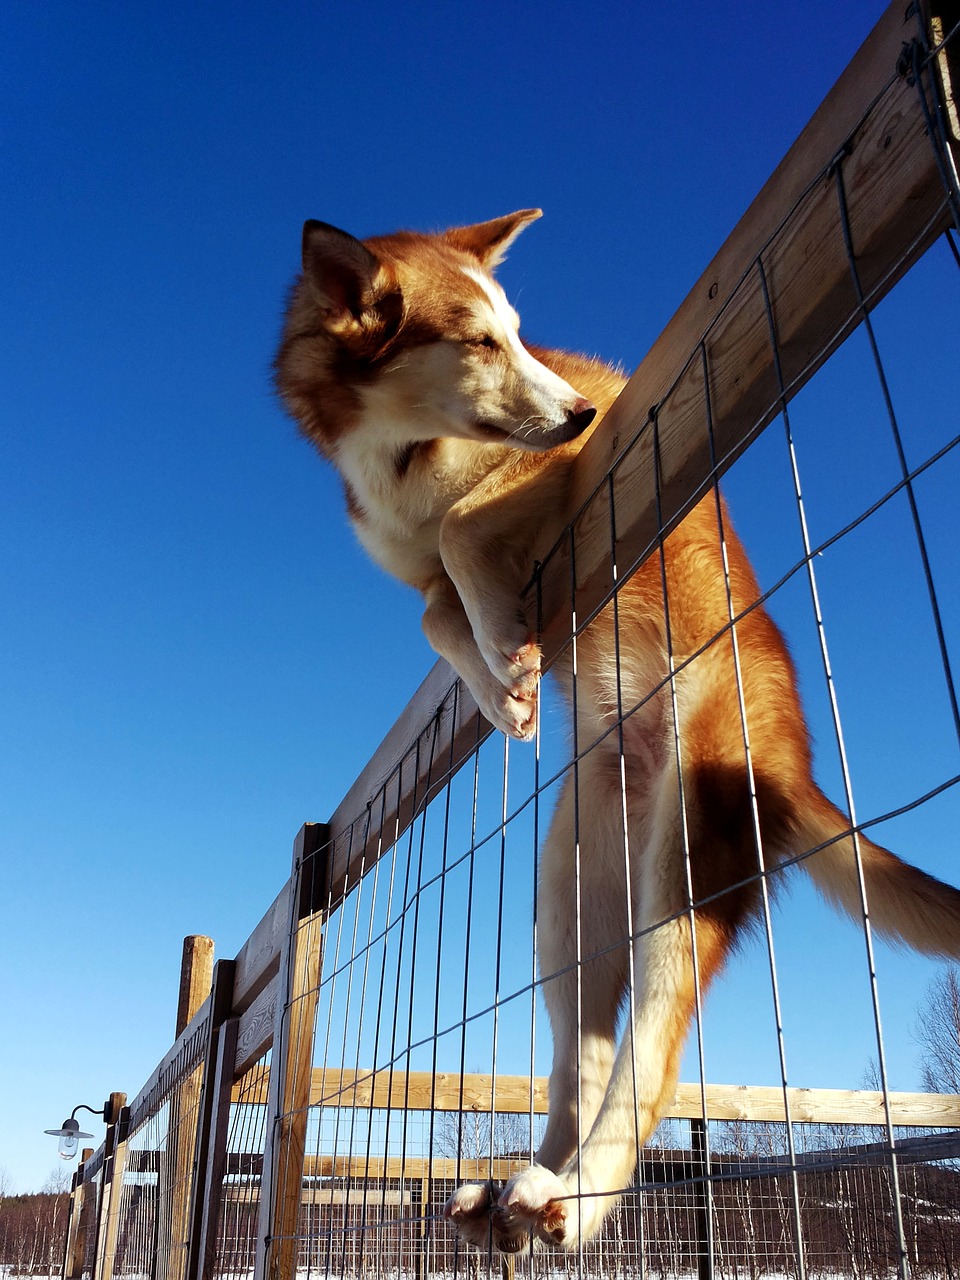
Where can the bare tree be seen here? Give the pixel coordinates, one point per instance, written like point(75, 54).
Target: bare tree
point(938, 1032)
point(474, 1135)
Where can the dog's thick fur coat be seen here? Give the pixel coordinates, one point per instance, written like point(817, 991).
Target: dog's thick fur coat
point(401, 361)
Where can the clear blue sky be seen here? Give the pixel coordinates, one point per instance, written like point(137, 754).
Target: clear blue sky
point(194, 651)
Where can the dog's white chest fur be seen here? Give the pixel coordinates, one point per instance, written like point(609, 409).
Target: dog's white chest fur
point(399, 498)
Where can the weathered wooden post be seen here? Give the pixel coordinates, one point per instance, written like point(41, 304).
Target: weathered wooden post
point(292, 1059)
point(176, 1165)
point(213, 1125)
point(117, 1117)
point(77, 1221)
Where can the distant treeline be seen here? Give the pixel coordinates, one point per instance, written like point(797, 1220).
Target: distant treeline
point(32, 1233)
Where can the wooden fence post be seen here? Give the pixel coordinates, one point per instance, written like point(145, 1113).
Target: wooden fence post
point(292, 1059)
point(176, 1165)
point(111, 1189)
point(213, 1124)
point(76, 1222)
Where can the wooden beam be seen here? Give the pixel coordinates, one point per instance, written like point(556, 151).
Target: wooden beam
point(897, 208)
point(814, 1106)
point(196, 976)
point(321, 1196)
point(78, 1220)
point(255, 1031)
point(437, 1167)
point(258, 960)
point(420, 1091)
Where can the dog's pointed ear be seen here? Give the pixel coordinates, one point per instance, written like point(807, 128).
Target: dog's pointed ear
point(357, 294)
point(489, 241)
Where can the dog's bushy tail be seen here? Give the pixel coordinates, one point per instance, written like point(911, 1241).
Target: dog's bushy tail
point(903, 903)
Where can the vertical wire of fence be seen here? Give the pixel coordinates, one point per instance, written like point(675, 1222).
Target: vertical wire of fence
point(238, 1215)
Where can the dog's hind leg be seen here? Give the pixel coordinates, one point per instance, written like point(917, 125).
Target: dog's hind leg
point(671, 951)
point(582, 932)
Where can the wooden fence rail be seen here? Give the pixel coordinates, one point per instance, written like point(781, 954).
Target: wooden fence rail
point(783, 258)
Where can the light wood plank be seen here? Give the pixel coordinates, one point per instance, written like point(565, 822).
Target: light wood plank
point(419, 1091)
point(417, 1167)
point(439, 729)
point(317, 1197)
point(255, 1033)
point(258, 960)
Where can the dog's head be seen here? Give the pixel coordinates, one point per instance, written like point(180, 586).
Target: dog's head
point(411, 333)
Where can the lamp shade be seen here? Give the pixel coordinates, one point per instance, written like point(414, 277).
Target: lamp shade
point(69, 1134)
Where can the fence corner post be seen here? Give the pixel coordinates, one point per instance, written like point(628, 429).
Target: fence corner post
point(111, 1192)
point(292, 1058)
point(213, 1122)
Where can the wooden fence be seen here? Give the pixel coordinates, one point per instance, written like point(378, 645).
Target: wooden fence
point(891, 122)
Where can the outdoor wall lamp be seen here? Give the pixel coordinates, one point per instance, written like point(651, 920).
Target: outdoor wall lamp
point(70, 1133)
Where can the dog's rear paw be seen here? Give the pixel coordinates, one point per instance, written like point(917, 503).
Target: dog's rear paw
point(539, 1201)
point(473, 1210)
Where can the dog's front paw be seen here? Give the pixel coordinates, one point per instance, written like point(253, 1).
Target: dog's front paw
point(514, 714)
point(515, 662)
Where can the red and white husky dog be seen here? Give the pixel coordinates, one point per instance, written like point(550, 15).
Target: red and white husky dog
point(401, 361)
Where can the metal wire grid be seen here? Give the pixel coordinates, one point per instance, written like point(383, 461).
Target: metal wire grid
point(405, 989)
point(141, 1212)
point(88, 1223)
point(158, 1169)
point(240, 1197)
point(902, 488)
point(157, 1190)
point(429, 964)
point(381, 1226)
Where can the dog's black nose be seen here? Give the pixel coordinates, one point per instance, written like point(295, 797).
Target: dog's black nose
point(581, 415)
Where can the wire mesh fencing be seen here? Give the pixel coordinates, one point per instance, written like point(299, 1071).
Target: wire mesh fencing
point(430, 967)
point(383, 1038)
